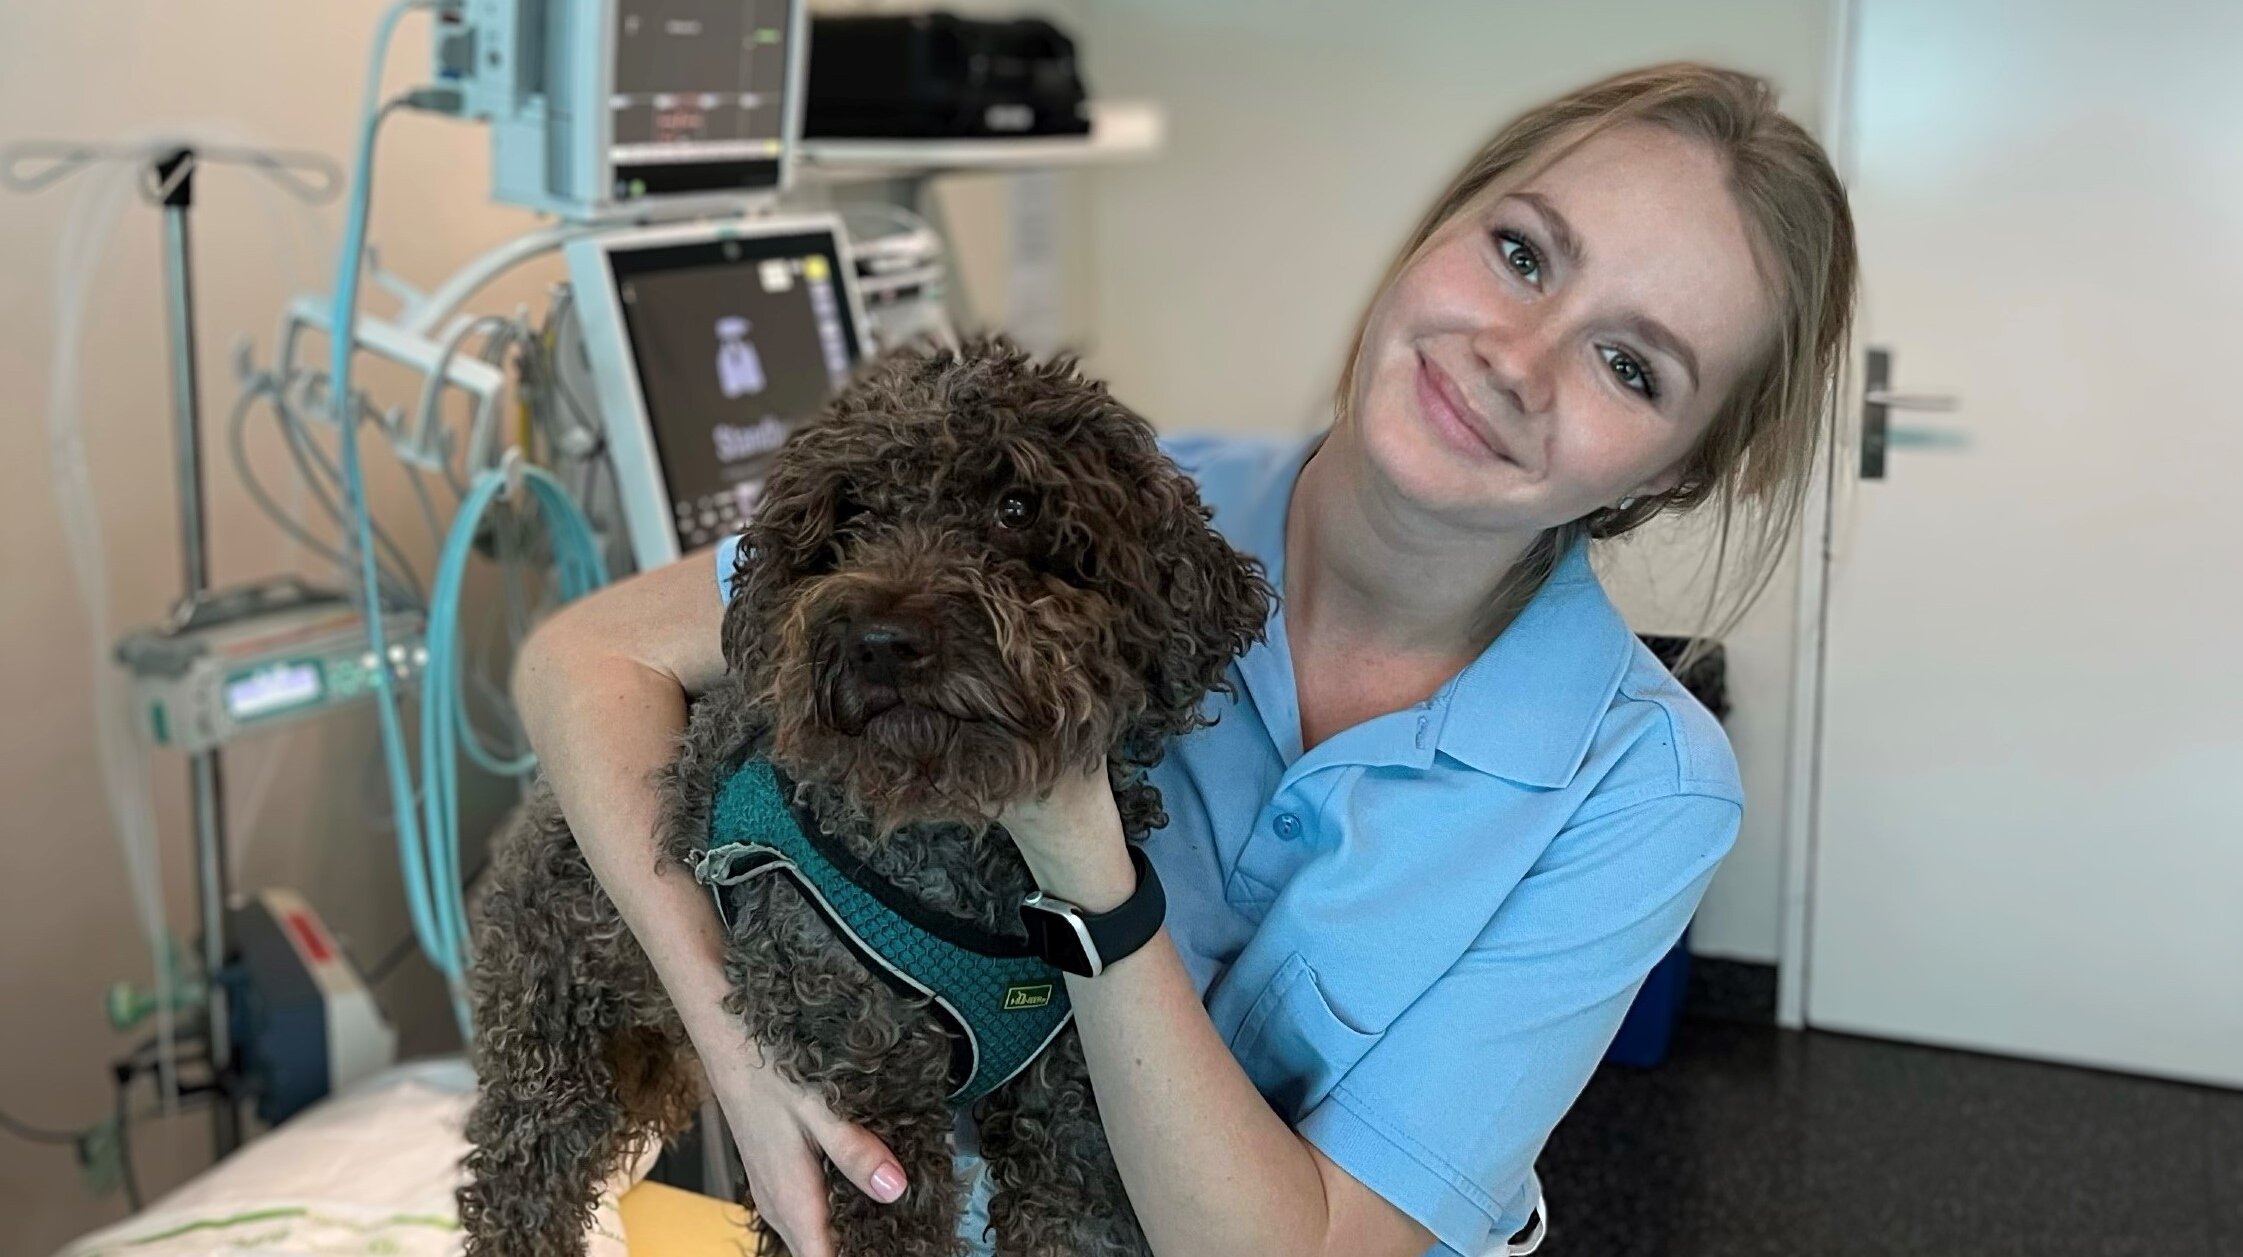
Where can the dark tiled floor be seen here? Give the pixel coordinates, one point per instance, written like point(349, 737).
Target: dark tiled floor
point(1752, 1141)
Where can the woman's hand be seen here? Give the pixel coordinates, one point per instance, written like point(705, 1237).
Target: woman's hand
point(784, 1133)
point(1072, 840)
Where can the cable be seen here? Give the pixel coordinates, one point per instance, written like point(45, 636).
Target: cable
point(419, 481)
point(582, 412)
point(506, 541)
point(149, 1055)
point(404, 948)
point(572, 425)
point(506, 534)
point(394, 957)
point(37, 1134)
point(124, 1138)
point(432, 385)
point(121, 760)
point(238, 449)
point(318, 471)
point(432, 864)
point(911, 221)
point(428, 841)
point(483, 666)
point(57, 1138)
point(444, 727)
point(342, 339)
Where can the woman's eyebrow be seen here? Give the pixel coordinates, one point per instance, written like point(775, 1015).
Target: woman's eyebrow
point(1660, 337)
point(1568, 244)
point(1561, 231)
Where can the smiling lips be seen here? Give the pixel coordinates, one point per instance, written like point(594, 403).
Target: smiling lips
point(1446, 406)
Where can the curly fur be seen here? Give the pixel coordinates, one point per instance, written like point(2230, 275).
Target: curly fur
point(1076, 607)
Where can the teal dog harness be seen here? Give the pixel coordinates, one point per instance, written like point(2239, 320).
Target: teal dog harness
point(1001, 1003)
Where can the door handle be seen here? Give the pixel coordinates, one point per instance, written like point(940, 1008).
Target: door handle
point(1913, 401)
point(1878, 401)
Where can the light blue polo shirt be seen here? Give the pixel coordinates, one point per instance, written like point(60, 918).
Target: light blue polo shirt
point(1419, 937)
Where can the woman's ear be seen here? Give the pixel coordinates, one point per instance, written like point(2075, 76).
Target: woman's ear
point(1661, 484)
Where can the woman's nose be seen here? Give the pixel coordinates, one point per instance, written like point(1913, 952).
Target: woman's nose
point(1520, 358)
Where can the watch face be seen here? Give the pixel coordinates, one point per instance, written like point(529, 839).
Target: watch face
point(1057, 938)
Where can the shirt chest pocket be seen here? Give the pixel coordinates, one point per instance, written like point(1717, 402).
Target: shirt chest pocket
point(1292, 1045)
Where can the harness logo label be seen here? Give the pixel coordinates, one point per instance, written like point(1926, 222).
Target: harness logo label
point(1027, 996)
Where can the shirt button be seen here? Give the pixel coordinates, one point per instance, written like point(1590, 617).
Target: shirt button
point(1288, 826)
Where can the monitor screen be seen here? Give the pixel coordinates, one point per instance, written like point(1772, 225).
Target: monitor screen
point(698, 98)
point(276, 688)
point(734, 341)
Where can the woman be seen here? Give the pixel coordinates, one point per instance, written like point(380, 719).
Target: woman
point(1454, 813)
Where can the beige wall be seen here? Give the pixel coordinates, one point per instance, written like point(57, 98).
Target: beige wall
point(1305, 138)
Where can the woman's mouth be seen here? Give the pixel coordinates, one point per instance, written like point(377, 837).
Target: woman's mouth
point(1447, 413)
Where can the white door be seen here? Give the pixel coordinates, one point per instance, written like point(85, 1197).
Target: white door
point(2031, 815)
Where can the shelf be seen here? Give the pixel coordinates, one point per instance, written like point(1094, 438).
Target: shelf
point(1119, 131)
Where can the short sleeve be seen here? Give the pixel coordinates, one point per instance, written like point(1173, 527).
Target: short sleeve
point(1191, 451)
point(727, 558)
point(1446, 1113)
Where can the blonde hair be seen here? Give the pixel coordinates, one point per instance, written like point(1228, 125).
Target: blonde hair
point(1756, 460)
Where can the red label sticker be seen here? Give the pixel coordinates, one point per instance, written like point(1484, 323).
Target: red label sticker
point(309, 937)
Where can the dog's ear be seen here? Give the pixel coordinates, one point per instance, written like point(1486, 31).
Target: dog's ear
point(1214, 600)
point(808, 496)
point(742, 634)
point(806, 501)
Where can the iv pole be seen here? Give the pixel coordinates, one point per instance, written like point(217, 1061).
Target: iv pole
point(169, 180)
point(207, 784)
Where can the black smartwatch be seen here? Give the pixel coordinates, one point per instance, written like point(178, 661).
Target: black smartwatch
point(1084, 943)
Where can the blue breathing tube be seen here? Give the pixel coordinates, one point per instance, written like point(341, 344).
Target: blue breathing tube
point(433, 872)
point(428, 831)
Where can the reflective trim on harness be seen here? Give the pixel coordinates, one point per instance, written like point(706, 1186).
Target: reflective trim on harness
point(741, 861)
point(1001, 1004)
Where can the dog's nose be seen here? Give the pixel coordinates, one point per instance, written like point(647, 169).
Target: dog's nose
point(884, 650)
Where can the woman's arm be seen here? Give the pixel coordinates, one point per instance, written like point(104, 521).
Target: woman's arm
point(1209, 1167)
point(602, 688)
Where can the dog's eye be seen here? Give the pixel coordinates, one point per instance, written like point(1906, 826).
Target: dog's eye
point(1016, 509)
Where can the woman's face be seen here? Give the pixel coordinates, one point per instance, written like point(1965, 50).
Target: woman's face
point(1563, 347)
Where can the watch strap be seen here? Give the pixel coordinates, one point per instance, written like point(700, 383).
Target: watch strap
point(1110, 936)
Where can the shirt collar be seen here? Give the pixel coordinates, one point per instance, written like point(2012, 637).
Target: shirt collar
point(1259, 528)
point(1528, 708)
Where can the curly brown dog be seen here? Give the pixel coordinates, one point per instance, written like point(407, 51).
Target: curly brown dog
point(970, 574)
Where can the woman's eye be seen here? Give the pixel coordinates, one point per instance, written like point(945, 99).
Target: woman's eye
point(1016, 509)
point(1631, 373)
point(1520, 257)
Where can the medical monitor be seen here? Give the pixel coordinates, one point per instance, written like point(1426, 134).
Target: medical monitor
point(605, 109)
point(707, 344)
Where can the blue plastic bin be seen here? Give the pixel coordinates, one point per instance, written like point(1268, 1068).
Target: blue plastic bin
point(1649, 1027)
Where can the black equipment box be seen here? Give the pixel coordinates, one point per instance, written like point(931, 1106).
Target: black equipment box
point(940, 76)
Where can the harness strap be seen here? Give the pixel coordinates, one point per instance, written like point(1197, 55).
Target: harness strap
point(1000, 1002)
point(723, 869)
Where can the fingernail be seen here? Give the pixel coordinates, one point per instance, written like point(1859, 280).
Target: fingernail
point(887, 1184)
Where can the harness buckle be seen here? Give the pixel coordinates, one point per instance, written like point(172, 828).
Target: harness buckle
point(728, 865)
